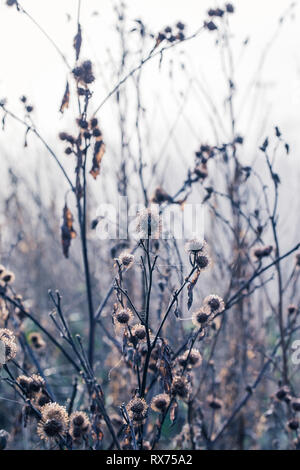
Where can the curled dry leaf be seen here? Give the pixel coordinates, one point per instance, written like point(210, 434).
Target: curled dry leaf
point(77, 42)
point(190, 289)
point(66, 99)
point(99, 151)
point(67, 230)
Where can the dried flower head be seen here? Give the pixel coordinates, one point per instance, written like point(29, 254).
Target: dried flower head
point(6, 334)
point(123, 316)
point(261, 252)
point(293, 424)
point(200, 317)
point(137, 409)
point(210, 25)
point(84, 73)
point(8, 339)
point(282, 393)
point(37, 341)
point(296, 404)
point(23, 381)
point(160, 402)
point(126, 259)
point(37, 383)
point(196, 245)
point(215, 403)
point(148, 223)
point(292, 309)
point(41, 399)
point(190, 358)
point(203, 261)
point(180, 386)
point(31, 385)
point(229, 8)
point(214, 304)
point(54, 421)
point(139, 332)
point(79, 425)
point(8, 277)
point(298, 260)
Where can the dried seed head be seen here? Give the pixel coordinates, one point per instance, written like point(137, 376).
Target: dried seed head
point(211, 26)
point(37, 383)
point(23, 381)
point(6, 334)
point(180, 386)
point(79, 424)
point(296, 404)
point(215, 403)
point(190, 358)
point(196, 245)
point(126, 259)
point(282, 393)
point(31, 385)
point(84, 73)
point(229, 8)
point(123, 316)
point(148, 223)
point(93, 122)
point(200, 317)
point(8, 339)
point(37, 341)
point(10, 350)
point(160, 196)
point(293, 424)
point(54, 421)
point(292, 309)
point(202, 261)
point(160, 402)
point(8, 277)
point(137, 409)
point(139, 332)
point(82, 123)
point(41, 399)
point(261, 252)
point(214, 303)
point(180, 26)
point(298, 260)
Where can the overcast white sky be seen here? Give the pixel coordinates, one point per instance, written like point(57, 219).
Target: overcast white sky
point(31, 66)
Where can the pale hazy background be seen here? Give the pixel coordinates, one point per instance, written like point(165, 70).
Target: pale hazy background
point(31, 66)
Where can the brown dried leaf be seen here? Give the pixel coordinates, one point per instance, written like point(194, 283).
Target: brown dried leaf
point(190, 289)
point(66, 99)
point(77, 42)
point(67, 230)
point(99, 151)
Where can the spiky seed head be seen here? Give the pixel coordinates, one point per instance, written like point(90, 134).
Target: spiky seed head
point(160, 402)
point(214, 303)
point(180, 386)
point(123, 316)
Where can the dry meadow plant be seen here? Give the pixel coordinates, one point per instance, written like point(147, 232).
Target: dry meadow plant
point(146, 342)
